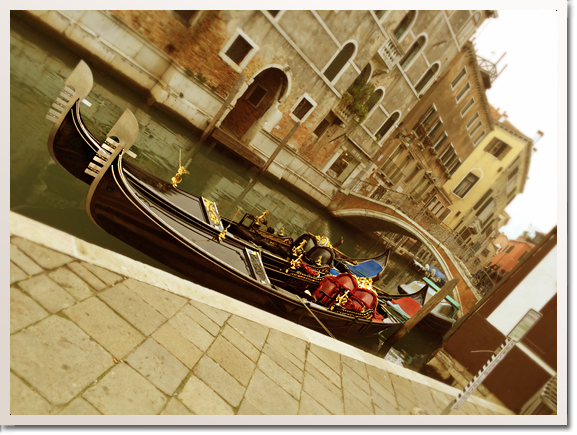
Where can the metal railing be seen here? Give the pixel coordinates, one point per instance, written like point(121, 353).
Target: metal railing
point(422, 216)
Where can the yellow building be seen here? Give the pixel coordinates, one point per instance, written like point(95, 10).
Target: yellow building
point(488, 180)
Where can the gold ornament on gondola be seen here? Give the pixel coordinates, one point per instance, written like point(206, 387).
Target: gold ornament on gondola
point(181, 171)
point(259, 220)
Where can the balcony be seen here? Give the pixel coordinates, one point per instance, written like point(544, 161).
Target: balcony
point(390, 53)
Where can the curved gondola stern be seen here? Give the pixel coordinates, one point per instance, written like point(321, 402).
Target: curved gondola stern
point(118, 141)
point(76, 87)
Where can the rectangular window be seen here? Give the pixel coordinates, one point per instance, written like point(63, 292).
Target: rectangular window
point(238, 51)
point(510, 249)
point(303, 108)
point(343, 166)
point(458, 78)
point(474, 130)
point(523, 256)
point(256, 95)
point(497, 148)
point(467, 106)
point(472, 120)
point(322, 127)
point(434, 128)
point(413, 174)
point(463, 92)
point(441, 141)
point(485, 196)
point(448, 154)
point(466, 185)
point(513, 173)
point(479, 138)
point(455, 166)
point(444, 215)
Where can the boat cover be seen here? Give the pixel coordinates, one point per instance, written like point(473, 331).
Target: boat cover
point(366, 269)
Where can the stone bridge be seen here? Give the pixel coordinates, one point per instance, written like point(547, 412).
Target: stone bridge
point(398, 214)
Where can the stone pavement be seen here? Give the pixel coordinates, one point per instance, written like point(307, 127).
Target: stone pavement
point(88, 338)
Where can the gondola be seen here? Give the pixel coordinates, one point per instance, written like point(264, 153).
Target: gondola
point(181, 230)
point(440, 319)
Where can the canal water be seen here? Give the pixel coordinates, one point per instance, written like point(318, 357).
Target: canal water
point(40, 189)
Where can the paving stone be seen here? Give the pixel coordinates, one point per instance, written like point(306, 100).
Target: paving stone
point(329, 357)
point(200, 318)
point(382, 377)
point(192, 331)
point(158, 365)
point(326, 382)
point(482, 410)
point(385, 404)
point(406, 400)
point(202, 400)
point(216, 315)
point(110, 330)
point(295, 346)
point(382, 392)
point(441, 399)
point(423, 394)
point(57, 358)
point(175, 343)
point(232, 360)
point(247, 408)
point(279, 358)
point(175, 407)
point(46, 258)
point(71, 283)
point(46, 292)
point(131, 306)
point(253, 332)
point(220, 381)
point(358, 366)
point(109, 278)
point(470, 409)
point(280, 376)
point(387, 410)
point(25, 401)
point(241, 343)
point(16, 274)
point(79, 406)
point(353, 406)
point(330, 401)
point(86, 275)
point(329, 372)
point(24, 310)
point(401, 384)
point(309, 406)
point(22, 261)
point(166, 303)
point(353, 384)
point(269, 398)
point(281, 350)
point(123, 391)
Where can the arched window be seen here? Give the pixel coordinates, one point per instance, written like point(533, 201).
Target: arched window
point(405, 24)
point(429, 75)
point(340, 61)
point(374, 99)
point(412, 52)
point(388, 125)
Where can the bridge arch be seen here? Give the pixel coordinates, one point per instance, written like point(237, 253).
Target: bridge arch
point(372, 220)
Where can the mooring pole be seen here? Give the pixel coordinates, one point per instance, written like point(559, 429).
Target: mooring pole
point(419, 315)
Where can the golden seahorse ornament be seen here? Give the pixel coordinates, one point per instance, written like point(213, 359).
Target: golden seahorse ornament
point(181, 171)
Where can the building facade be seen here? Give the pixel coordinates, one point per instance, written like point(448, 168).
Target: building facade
point(487, 181)
point(266, 83)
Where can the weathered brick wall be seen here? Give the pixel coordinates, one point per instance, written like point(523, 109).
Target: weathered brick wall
point(195, 48)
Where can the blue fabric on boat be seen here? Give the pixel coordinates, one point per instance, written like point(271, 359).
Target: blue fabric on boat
point(439, 274)
point(366, 269)
point(334, 272)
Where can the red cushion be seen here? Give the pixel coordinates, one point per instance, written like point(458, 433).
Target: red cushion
point(409, 305)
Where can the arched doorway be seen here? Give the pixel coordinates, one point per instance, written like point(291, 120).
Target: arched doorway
point(265, 91)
